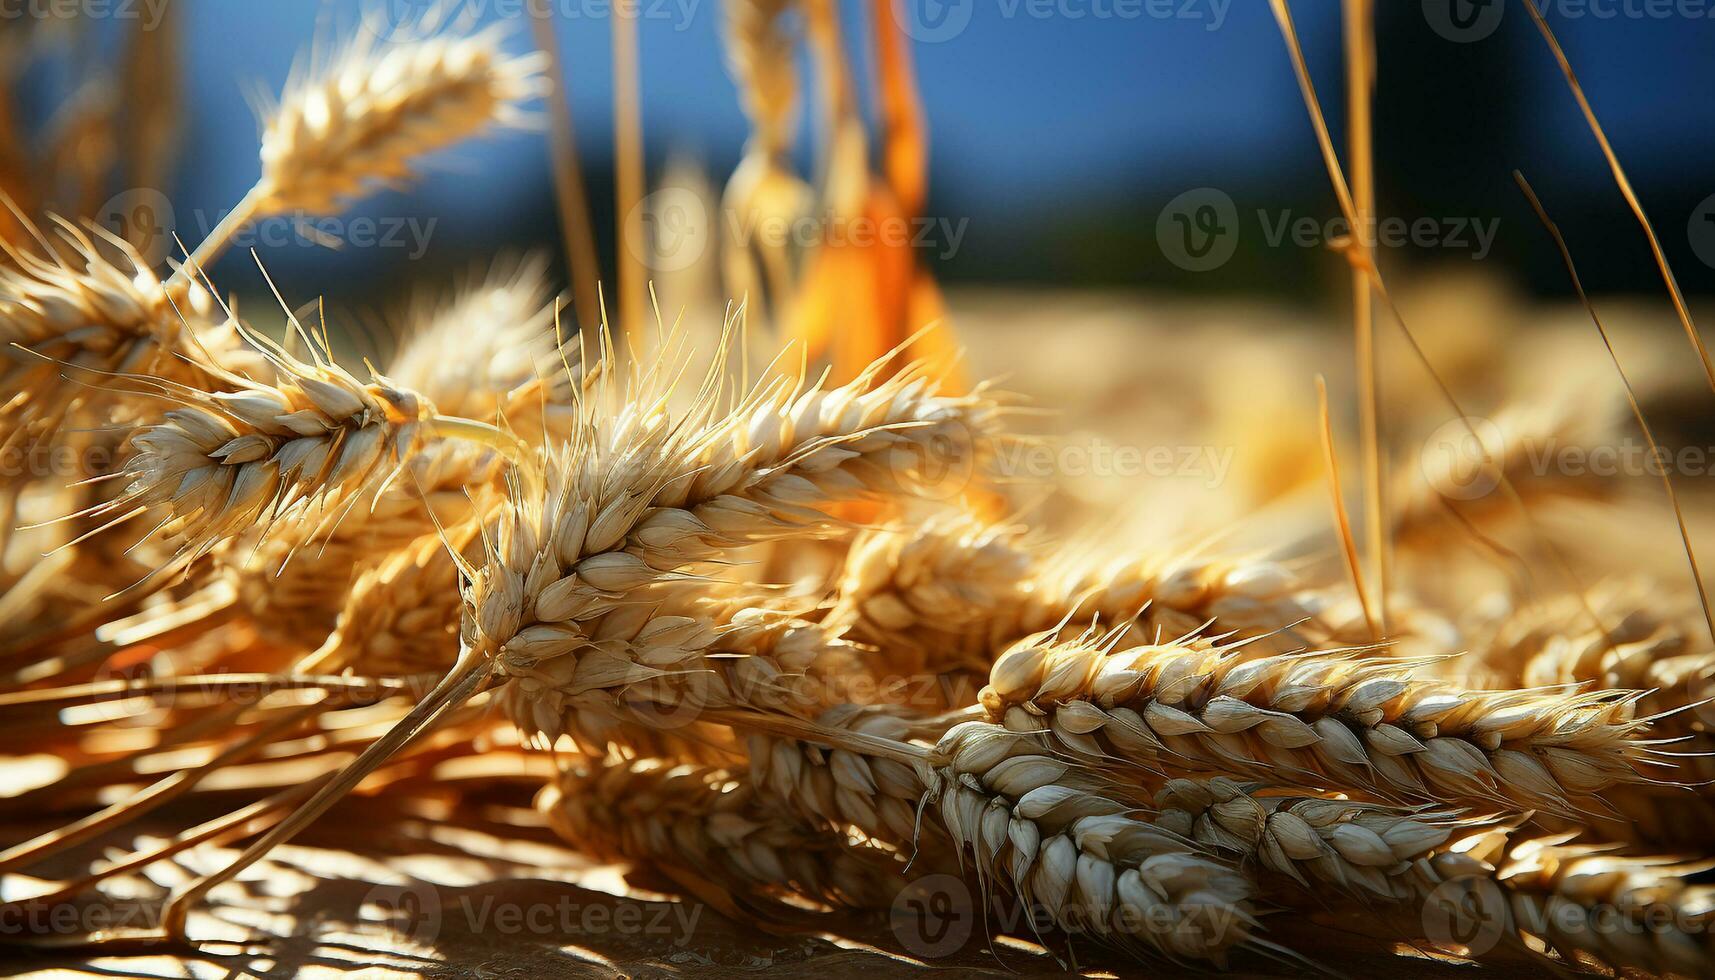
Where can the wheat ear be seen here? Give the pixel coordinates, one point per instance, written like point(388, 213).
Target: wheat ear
point(1168, 596)
point(399, 617)
point(224, 462)
point(302, 446)
point(636, 500)
point(1360, 848)
point(926, 596)
point(1327, 719)
point(88, 308)
point(1647, 643)
point(474, 351)
point(294, 580)
point(1080, 856)
point(1029, 822)
point(702, 824)
point(1586, 902)
point(294, 583)
point(370, 111)
point(664, 658)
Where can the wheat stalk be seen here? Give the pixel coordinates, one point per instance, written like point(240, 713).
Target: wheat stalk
point(763, 187)
point(1332, 720)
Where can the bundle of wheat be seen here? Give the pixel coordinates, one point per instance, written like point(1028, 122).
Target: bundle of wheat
point(586, 574)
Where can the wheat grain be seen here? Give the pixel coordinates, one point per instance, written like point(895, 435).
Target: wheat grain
point(1646, 642)
point(400, 617)
point(926, 597)
point(1583, 901)
point(1172, 596)
point(1324, 719)
point(1362, 849)
point(663, 658)
point(1079, 855)
point(840, 786)
point(293, 580)
point(489, 352)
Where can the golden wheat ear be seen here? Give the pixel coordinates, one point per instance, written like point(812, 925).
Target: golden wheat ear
point(367, 114)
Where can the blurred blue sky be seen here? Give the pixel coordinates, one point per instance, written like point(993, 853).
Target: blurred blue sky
point(1023, 104)
point(1041, 108)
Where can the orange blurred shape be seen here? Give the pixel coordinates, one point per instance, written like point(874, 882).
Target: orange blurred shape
point(861, 300)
